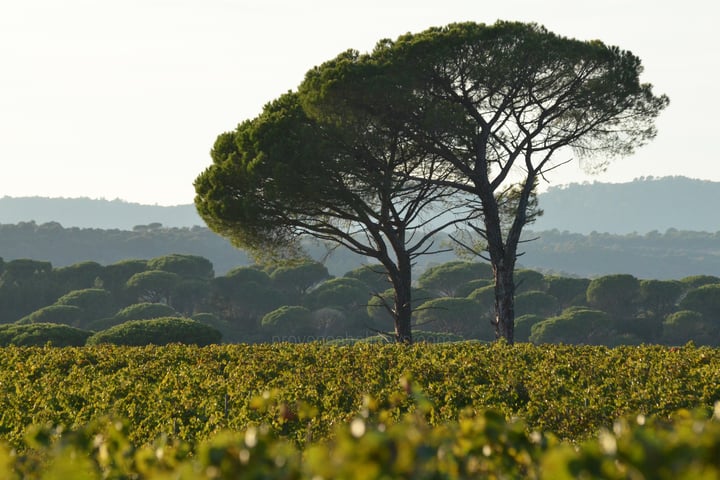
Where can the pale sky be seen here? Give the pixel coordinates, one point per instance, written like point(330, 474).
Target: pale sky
point(124, 98)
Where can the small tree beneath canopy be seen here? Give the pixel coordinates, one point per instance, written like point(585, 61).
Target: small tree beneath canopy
point(186, 266)
point(659, 297)
point(299, 278)
point(292, 323)
point(39, 334)
point(154, 286)
point(705, 299)
point(616, 294)
point(371, 275)
point(574, 326)
point(78, 276)
point(687, 325)
point(446, 279)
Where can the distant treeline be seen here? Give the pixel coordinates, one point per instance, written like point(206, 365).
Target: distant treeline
point(178, 298)
point(66, 246)
point(673, 254)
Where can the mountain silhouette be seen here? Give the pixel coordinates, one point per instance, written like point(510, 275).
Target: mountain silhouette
point(91, 213)
point(641, 206)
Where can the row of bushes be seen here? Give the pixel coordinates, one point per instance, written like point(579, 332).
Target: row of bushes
point(155, 331)
point(260, 304)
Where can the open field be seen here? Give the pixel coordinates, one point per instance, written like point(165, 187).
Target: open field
point(316, 398)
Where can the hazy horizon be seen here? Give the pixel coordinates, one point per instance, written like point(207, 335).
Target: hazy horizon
point(590, 180)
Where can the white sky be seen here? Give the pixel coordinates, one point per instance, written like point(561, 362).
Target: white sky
point(124, 98)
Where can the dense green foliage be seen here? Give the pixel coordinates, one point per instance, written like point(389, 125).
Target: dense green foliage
point(38, 334)
point(157, 331)
point(359, 412)
point(65, 314)
point(143, 311)
point(448, 278)
point(457, 301)
point(192, 392)
point(480, 445)
point(574, 325)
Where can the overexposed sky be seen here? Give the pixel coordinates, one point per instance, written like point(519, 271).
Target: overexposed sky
point(124, 98)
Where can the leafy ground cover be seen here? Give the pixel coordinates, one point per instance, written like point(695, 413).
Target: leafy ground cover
point(313, 410)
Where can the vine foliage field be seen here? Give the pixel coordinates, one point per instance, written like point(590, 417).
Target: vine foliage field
point(317, 411)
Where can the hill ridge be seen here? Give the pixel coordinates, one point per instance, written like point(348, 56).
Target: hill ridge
point(644, 205)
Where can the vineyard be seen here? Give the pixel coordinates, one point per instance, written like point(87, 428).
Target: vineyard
point(365, 411)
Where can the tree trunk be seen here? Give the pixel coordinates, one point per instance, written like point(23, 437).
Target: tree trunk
point(504, 301)
point(403, 314)
point(503, 252)
point(402, 308)
point(400, 276)
point(502, 259)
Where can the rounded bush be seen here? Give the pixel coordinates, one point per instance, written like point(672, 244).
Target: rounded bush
point(144, 311)
point(248, 274)
point(535, 302)
point(523, 326)
point(291, 321)
point(686, 325)
point(94, 302)
point(469, 287)
point(343, 292)
point(65, 314)
point(529, 280)
point(568, 290)
point(485, 296)
point(85, 298)
point(158, 331)
point(574, 326)
point(39, 334)
point(447, 278)
point(459, 316)
point(137, 311)
point(186, 266)
point(374, 276)
point(614, 294)
point(376, 305)
point(706, 300)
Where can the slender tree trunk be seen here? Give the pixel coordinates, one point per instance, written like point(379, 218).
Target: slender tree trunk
point(403, 315)
point(503, 251)
point(502, 247)
point(504, 300)
point(402, 298)
point(502, 259)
